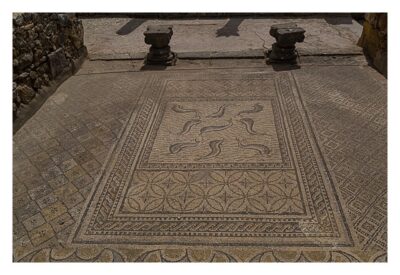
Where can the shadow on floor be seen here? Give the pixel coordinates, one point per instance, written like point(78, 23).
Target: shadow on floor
point(146, 67)
point(129, 27)
point(339, 20)
point(231, 28)
point(284, 67)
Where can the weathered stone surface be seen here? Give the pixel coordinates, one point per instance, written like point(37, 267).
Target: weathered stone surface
point(286, 35)
point(58, 62)
point(25, 60)
point(38, 83)
point(201, 35)
point(44, 44)
point(16, 98)
point(26, 93)
point(159, 36)
point(19, 20)
point(374, 40)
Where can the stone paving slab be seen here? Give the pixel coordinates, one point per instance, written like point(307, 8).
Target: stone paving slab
point(114, 66)
point(122, 38)
point(62, 151)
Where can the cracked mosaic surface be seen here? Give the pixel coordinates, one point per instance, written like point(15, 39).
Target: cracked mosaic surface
point(200, 166)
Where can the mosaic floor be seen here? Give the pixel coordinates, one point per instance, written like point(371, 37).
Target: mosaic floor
point(202, 165)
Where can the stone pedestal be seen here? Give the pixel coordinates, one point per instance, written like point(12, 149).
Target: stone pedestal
point(159, 36)
point(284, 50)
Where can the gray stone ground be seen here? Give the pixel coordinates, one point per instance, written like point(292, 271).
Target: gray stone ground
point(59, 153)
point(111, 38)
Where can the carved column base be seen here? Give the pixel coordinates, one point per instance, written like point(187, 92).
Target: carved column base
point(281, 55)
point(284, 50)
point(161, 56)
point(159, 36)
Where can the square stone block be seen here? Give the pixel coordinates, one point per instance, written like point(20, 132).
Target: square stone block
point(53, 211)
point(41, 234)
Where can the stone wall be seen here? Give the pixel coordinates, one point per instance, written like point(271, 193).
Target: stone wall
point(374, 40)
point(45, 46)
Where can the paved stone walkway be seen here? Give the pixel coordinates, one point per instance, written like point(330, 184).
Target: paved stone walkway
point(122, 38)
point(203, 162)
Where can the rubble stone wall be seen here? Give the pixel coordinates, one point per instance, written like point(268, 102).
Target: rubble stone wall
point(374, 40)
point(45, 45)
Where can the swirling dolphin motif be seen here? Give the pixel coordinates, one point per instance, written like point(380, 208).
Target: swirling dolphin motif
point(182, 110)
point(249, 124)
point(256, 109)
point(260, 148)
point(216, 128)
point(219, 113)
point(177, 147)
point(188, 125)
point(215, 146)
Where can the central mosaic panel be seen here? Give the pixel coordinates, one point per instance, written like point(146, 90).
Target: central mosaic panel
point(214, 132)
point(216, 160)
